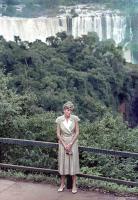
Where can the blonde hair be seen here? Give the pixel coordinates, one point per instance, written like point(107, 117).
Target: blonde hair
point(69, 105)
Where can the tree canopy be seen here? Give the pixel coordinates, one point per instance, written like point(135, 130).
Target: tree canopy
point(84, 70)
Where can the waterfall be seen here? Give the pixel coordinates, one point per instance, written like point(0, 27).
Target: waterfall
point(30, 29)
point(114, 26)
point(40, 28)
point(106, 23)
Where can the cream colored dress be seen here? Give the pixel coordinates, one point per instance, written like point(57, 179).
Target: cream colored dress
point(68, 164)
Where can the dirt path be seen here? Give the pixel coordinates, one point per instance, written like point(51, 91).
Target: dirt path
point(11, 190)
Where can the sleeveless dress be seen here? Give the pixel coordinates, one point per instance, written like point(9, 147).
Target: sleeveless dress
point(68, 164)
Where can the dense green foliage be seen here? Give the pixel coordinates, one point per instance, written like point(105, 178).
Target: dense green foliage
point(65, 68)
point(36, 7)
point(37, 78)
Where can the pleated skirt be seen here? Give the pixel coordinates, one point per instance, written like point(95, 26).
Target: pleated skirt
point(68, 164)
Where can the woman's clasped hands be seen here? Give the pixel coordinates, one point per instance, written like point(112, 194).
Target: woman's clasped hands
point(68, 148)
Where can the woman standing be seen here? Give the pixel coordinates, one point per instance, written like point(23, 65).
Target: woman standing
point(68, 155)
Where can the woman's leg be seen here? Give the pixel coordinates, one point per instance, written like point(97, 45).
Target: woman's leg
point(62, 180)
point(74, 187)
point(62, 185)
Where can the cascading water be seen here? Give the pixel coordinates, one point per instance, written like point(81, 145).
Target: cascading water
point(106, 25)
point(30, 29)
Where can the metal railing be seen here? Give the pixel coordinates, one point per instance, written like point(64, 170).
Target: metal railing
point(51, 145)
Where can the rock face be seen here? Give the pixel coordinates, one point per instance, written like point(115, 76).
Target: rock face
point(133, 103)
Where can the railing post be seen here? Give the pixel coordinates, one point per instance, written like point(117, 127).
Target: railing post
point(69, 182)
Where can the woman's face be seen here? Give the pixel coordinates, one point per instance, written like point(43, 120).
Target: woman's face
point(67, 112)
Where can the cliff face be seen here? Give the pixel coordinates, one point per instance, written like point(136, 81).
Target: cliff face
point(133, 103)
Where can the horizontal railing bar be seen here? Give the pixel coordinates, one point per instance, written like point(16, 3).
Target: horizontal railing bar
point(118, 181)
point(33, 169)
point(109, 152)
point(23, 142)
point(26, 168)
